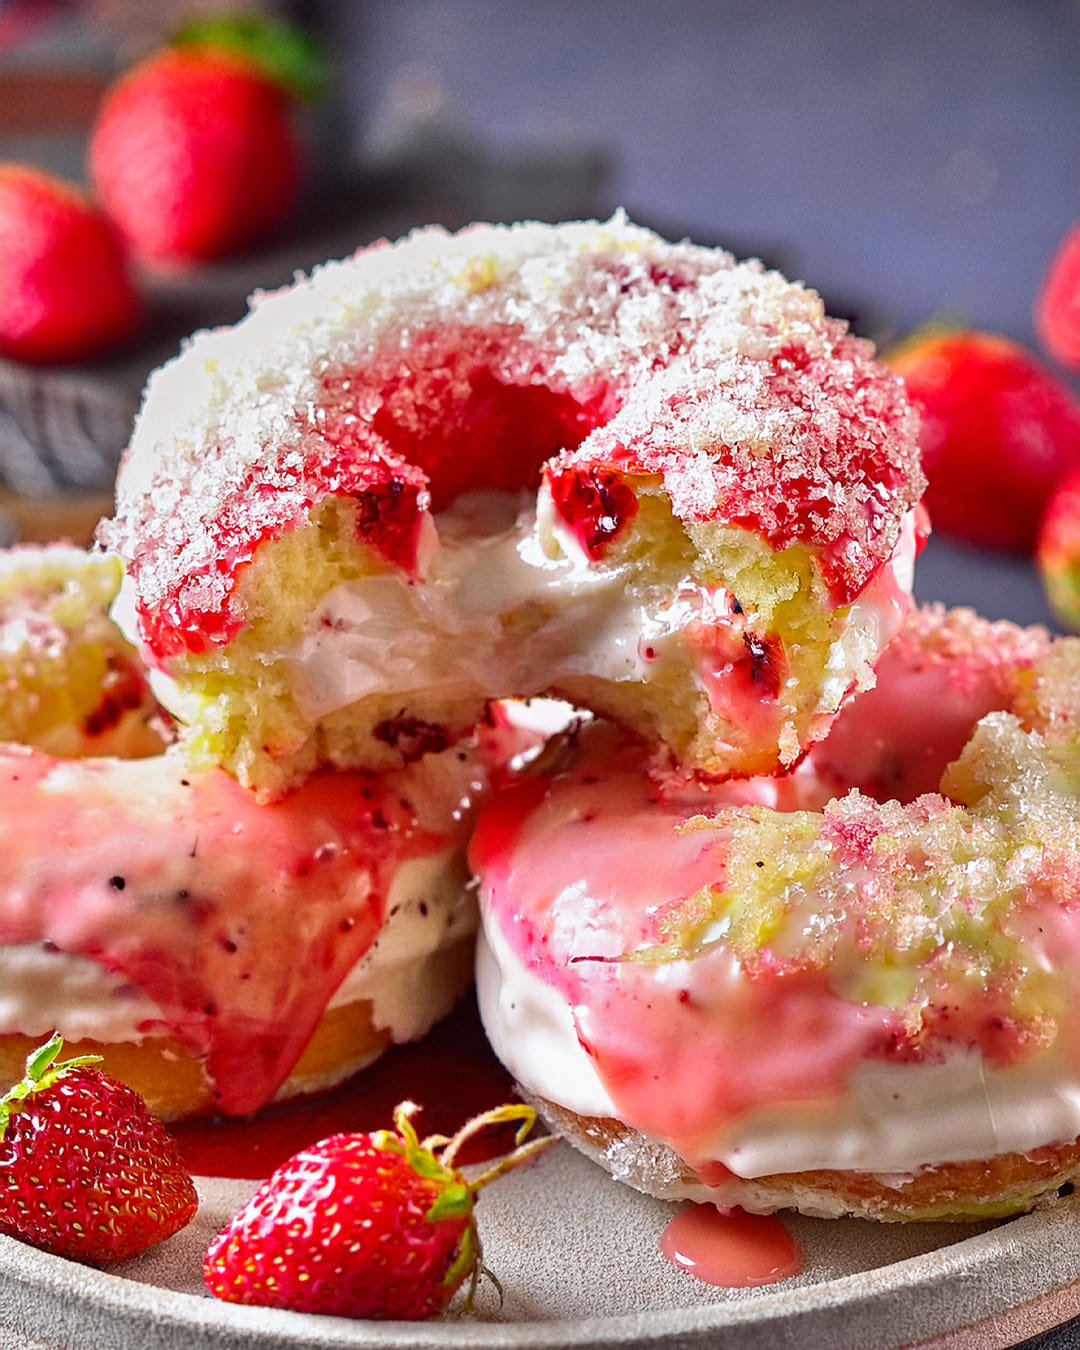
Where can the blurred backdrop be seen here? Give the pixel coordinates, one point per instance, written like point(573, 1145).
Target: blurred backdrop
point(910, 161)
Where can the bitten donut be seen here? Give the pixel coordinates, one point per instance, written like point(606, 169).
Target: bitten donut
point(575, 460)
point(217, 953)
point(770, 996)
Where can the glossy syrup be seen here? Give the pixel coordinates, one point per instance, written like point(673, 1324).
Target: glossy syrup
point(730, 1247)
point(451, 1074)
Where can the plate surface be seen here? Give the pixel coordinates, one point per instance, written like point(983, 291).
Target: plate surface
point(579, 1259)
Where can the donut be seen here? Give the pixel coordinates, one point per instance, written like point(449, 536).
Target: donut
point(573, 460)
point(70, 683)
point(218, 953)
point(775, 993)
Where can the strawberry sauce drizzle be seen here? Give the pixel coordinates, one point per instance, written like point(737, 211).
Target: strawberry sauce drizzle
point(733, 1249)
point(238, 920)
point(451, 1074)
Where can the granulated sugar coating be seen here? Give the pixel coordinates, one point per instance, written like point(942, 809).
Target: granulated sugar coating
point(696, 422)
point(724, 378)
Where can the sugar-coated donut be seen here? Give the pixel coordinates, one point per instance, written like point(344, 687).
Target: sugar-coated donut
point(336, 552)
point(217, 953)
point(767, 995)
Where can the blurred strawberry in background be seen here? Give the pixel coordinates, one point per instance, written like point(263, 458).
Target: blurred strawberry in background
point(1058, 552)
point(65, 292)
point(998, 434)
point(195, 152)
point(1057, 308)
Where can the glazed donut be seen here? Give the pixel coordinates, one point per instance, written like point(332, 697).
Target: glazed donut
point(217, 953)
point(760, 996)
point(336, 551)
point(70, 683)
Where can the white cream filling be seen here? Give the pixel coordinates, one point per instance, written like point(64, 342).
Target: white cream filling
point(518, 610)
point(493, 613)
point(891, 1119)
point(429, 909)
point(873, 620)
point(43, 989)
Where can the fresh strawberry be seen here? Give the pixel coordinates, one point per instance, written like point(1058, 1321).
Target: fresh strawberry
point(194, 153)
point(65, 293)
point(1058, 552)
point(1057, 308)
point(998, 434)
point(85, 1170)
point(363, 1225)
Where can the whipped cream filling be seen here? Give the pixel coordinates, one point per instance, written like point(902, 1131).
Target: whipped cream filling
point(495, 612)
point(43, 989)
point(891, 1119)
point(519, 609)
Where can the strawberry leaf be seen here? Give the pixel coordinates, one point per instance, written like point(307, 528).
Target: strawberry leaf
point(287, 55)
point(42, 1071)
point(455, 1199)
point(41, 1058)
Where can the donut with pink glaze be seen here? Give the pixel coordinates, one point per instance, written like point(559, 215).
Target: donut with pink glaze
point(855, 990)
point(574, 459)
point(217, 953)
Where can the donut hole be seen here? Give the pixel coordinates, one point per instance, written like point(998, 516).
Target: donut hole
point(471, 407)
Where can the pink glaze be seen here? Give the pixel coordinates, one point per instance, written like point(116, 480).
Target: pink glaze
point(933, 691)
point(734, 1249)
point(627, 900)
point(238, 920)
point(590, 874)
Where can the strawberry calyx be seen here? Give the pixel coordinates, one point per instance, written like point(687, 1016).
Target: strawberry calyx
point(282, 52)
point(433, 1158)
point(42, 1071)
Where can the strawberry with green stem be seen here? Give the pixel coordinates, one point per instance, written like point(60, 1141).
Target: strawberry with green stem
point(86, 1171)
point(195, 153)
point(376, 1225)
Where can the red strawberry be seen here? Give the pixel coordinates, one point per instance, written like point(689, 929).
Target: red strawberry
point(65, 294)
point(85, 1170)
point(363, 1225)
point(1057, 309)
point(194, 154)
point(1058, 552)
point(998, 434)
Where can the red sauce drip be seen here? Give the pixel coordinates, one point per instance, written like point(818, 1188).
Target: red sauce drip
point(733, 1249)
point(198, 613)
point(768, 662)
point(452, 1074)
point(595, 503)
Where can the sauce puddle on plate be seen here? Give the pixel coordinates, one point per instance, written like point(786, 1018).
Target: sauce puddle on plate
point(730, 1248)
point(451, 1074)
